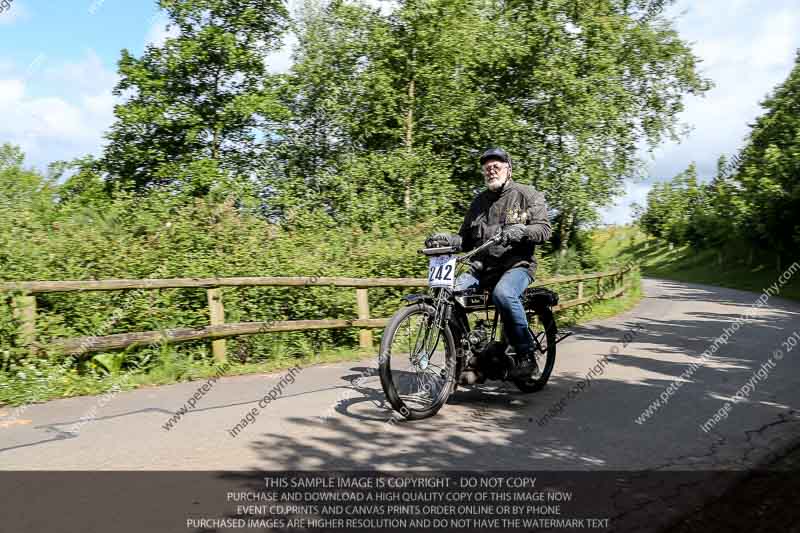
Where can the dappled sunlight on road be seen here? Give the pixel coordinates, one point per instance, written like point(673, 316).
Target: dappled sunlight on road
point(335, 416)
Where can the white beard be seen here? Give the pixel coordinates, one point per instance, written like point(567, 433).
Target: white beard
point(496, 184)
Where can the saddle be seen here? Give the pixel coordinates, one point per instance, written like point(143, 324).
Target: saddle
point(539, 297)
point(532, 298)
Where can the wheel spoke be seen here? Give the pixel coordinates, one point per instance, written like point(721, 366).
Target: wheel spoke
point(414, 344)
point(431, 365)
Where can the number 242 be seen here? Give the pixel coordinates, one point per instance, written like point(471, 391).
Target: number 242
point(436, 272)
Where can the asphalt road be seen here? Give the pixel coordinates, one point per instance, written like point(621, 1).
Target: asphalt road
point(326, 420)
point(322, 421)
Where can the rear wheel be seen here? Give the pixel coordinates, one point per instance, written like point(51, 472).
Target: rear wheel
point(417, 362)
point(545, 333)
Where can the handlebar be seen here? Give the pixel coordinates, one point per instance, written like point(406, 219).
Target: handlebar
point(450, 249)
point(492, 240)
point(442, 250)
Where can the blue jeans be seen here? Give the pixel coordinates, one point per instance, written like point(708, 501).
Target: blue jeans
point(506, 298)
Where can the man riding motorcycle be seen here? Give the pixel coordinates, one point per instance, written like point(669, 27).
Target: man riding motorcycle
point(508, 267)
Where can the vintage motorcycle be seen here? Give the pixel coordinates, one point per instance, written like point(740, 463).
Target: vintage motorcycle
point(429, 346)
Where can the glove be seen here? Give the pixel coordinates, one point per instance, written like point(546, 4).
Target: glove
point(475, 267)
point(443, 239)
point(514, 233)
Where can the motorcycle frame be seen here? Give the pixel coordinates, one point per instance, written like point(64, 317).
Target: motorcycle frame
point(459, 316)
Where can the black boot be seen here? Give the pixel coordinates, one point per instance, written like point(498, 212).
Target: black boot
point(525, 367)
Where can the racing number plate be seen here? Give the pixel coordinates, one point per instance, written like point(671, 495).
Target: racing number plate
point(442, 271)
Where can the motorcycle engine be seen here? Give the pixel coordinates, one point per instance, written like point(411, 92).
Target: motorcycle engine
point(487, 355)
point(478, 338)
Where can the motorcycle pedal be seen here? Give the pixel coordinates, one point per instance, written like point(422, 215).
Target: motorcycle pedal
point(564, 335)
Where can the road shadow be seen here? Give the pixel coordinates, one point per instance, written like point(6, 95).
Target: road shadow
point(496, 425)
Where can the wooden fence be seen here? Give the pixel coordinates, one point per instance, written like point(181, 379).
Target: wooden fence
point(218, 329)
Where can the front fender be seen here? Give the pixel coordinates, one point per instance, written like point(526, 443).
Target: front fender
point(459, 325)
point(414, 298)
point(458, 318)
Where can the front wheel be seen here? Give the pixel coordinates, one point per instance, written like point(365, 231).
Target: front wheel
point(417, 362)
point(545, 333)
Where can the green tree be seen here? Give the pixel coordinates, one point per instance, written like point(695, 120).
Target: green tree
point(84, 186)
point(388, 93)
point(671, 207)
point(26, 213)
point(201, 108)
point(569, 88)
point(579, 86)
point(769, 171)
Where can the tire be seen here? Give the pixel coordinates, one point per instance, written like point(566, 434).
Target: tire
point(400, 333)
point(545, 358)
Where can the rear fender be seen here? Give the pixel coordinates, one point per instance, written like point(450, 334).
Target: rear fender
point(539, 298)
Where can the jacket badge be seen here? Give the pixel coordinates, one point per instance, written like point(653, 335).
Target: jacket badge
point(515, 215)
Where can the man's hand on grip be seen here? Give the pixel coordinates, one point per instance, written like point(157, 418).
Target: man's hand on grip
point(443, 239)
point(514, 233)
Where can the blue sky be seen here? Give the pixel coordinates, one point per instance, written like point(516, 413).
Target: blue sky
point(65, 30)
point(57, 69)
point(58, 66)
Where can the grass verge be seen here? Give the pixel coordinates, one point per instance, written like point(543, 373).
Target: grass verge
point(723, 267)
point(45, 380)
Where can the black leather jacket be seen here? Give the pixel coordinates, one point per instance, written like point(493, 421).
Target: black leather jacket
point(515, 203)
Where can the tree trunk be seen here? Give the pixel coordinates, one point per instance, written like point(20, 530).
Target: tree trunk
point(409, 138)
point(215, 142)
point(565, 232)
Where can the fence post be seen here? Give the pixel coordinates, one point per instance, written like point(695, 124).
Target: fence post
point(25, 312)
point(362, 306)
point(580, 290)
point(217, 315)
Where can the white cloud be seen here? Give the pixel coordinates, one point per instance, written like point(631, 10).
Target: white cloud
point(52, 117)
point(777, 40)
point(11, 92)
point(160, 30)
point(620, 212)
point(85, 75)
point(100, 104)
point(67, 120)
point(280, 60)
point(747, 48)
